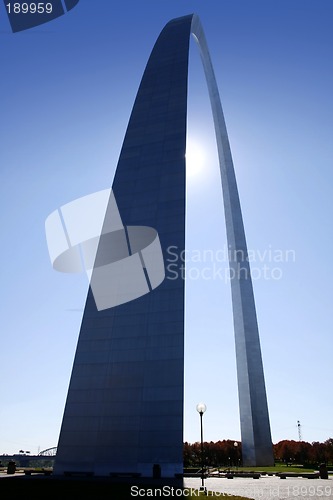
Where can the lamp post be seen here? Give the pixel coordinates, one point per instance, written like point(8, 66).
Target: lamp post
point(236, 449)
point(201, 408)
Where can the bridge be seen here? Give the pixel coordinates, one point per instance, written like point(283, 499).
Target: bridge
point(25, 460)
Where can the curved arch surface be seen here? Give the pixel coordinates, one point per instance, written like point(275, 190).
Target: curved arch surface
point(124, 408)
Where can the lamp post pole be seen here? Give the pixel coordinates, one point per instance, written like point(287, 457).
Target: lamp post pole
point(201, 408)
point(236, 448)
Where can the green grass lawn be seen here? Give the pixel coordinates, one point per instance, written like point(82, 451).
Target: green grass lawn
point(272, 469)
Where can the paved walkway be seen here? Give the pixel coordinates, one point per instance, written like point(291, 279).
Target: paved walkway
point(268, 487)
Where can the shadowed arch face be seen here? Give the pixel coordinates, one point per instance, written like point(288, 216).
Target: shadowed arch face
point(124, 409)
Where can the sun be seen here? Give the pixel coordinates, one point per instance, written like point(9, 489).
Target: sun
point(195, 158)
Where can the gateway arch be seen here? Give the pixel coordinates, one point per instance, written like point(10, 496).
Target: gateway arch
point(124, 408)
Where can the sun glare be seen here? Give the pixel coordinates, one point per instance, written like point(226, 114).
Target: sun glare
point(195, 158)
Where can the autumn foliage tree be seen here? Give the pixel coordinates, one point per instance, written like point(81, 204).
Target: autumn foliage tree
point(302, 452)
point(225, 453)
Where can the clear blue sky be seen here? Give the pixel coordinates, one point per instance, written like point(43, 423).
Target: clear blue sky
point(67, 89)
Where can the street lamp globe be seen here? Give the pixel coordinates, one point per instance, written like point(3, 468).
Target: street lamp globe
point(201, 408)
